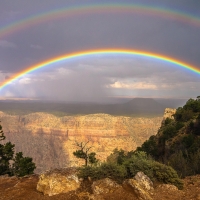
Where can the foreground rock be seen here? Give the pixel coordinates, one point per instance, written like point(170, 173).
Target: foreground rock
point(140, 185)
point(58, 181)
point(13, 188)
point(104, 186)
point(144, 181)
point(133, 186)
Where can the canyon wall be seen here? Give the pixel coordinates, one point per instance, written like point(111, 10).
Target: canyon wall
point(50, 140)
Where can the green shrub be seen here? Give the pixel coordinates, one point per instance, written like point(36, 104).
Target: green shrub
point(188, 140)
point(135, 164)
point(166, 174)
point(180, 163)
point(169, 132)
point(106, 170)
point(193, 105)
point(139, 161)
point(150, 147)
point(168, 121)
point(179, 125)
point(154, 170)
point(118, 156)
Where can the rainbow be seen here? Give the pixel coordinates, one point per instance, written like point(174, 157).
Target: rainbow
point(99, 9)
point(98, 52)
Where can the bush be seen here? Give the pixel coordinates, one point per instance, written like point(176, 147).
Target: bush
point(118, 156)
point(150, 147)
point(188, 140)
point(168, 121)
point(169, 131)
point(166, 174)
point(179, 125)
point(154, 170)
point(193, 105)
point(180, 164)
point(139, 161)
point(106, 170)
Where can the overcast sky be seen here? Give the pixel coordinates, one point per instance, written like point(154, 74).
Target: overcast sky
point(93, 78)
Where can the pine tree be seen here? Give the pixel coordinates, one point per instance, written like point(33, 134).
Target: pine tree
point(20, 165)
point(6, 154)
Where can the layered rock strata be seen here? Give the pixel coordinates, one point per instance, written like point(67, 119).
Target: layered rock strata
point(50, 140)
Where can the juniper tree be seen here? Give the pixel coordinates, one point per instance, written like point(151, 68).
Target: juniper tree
point(83, 153)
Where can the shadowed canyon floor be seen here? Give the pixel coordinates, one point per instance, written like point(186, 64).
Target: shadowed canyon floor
point(25, 188)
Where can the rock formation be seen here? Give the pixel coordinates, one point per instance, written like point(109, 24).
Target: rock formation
point(58, 181)
point(50, 140)
point(25, 188)
point(104, 186)
point(168, 113)
point(144, 181)
point(140, 187)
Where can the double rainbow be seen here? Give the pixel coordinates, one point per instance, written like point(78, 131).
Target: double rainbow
point(99, 52)
point(100, 9)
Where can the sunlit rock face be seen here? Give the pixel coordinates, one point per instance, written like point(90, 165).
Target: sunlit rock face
point(58, 181)
point(50, 140)
point(168, 113)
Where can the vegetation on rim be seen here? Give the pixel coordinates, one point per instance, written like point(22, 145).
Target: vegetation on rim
point(178, 141)
point(176, 146)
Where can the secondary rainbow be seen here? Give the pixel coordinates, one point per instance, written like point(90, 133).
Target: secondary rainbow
point(99, 52)
point(99, 9)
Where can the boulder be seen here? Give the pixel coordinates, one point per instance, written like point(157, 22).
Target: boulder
point(144, 181)
point(141, 186)
point(169, 112)
point(104, 186)
point(133, 186)
point(58, 181)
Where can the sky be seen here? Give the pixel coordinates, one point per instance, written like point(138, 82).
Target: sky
point(148, 26)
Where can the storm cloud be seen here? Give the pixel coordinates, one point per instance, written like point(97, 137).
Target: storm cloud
point(95, 78)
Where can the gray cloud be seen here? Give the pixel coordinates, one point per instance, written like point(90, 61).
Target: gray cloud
point(92, 78)
point(95, 79)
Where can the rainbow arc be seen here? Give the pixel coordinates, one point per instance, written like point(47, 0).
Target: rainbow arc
point(66, 57)
point(75, 11)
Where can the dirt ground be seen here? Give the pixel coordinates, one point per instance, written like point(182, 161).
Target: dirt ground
point(13, 188)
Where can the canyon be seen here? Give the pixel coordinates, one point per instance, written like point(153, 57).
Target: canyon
point(50, 140)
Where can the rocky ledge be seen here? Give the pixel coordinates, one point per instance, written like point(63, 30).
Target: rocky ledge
point(138, 188)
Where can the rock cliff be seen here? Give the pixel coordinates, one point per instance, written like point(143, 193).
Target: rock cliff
point(168, 113)
point(50, 140)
